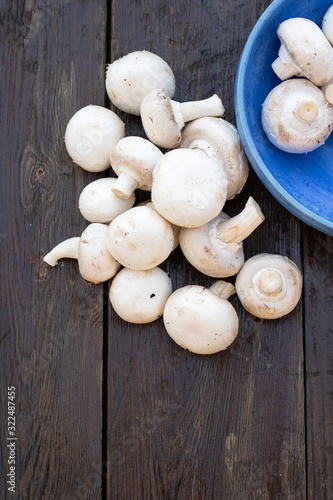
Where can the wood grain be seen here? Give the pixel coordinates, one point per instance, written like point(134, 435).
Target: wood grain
point(106, 409)
point(53, 61)
point(229, 425)
point(318, 300)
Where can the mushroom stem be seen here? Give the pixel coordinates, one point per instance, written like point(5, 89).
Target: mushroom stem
point(67, 249)
point(270, 282)
point(236, 229)
point(124, 186)
point(203, 146)
point(329, 93)
point(307, 110)
point(223, 289)
point(191, 110)
point(284, 67)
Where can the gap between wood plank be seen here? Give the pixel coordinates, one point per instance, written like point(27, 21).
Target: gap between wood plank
point(105, 386)
point(304, 368)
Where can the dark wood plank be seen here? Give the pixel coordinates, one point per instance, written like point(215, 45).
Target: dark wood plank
point(318, 300)
point(229, 425)
point(53, 63)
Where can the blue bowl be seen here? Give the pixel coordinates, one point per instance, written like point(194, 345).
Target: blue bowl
point(303, 183)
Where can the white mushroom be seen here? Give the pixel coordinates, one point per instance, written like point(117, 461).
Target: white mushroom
point(175, 229)
point(327, 25)
point(140, 296)
point(95, 262)
point(140, 238)
point(133, 159)
point(329, 93)
point(304, 51)
point(131, 77)
point(215, 248)
point(90, 136)
point(97, 203)
point(189, 188)
point(163, 119)
point(198, 319)
point(296, 116)
point(219, 139)
point(328, 90)
point(269, 286)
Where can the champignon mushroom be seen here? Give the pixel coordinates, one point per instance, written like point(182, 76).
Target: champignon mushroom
point(175, 229)
point(329, 93)
point(189, 188)
point(304, 51)
point(140, 238)
point(90, 136)
point(133, 159)
point(269, 286)
point(296, 116)
point(198, 319)
point(140, 296)
point(95, 262)
point(131, 77)
point(219, 139)
point(97, 203)
point(327, 25)
point(163, 119)
point(215, 248)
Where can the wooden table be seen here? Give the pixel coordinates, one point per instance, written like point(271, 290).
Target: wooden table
point(105, 409)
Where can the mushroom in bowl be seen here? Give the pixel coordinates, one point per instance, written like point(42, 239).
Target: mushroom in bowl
point(296, 116)
point(304, 51)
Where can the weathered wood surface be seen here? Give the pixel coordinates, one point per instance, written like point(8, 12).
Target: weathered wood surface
point(105, 409)
point(318, 325)
point(52, 64)
point(230, 425)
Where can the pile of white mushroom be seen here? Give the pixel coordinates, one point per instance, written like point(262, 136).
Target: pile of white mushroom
point(297, 115)
point(189, 186)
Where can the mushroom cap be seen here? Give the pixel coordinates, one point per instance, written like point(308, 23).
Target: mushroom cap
point(259, 299)
point(189, 188)
point(140, 238)
point(136, 157)
point(175, 229)
point(95, 262)
point(308, 48)
point(223, 139)
point(90, 136)
point(200, 321)
point(131, 77)
point(280, 122)
point(97, 203)
point(323, 88)
point(159, 121)
point(206, 253)
point(327, 25)
point(140, 296)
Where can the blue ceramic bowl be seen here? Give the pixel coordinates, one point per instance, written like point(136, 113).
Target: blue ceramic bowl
point(303, 183)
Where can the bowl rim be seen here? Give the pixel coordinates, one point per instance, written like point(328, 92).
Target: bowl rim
point(269, 181)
